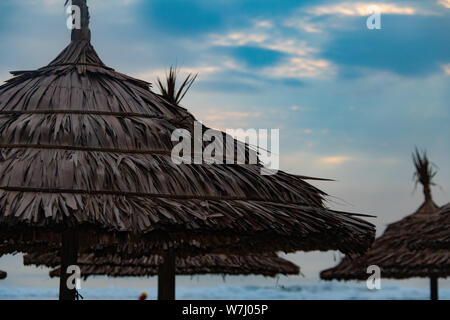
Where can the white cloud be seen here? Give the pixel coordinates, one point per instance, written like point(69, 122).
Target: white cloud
point(333, 160)
point(264, 24)
point(444, 3)
point(361, 9)
point(300, 67)
point(262, 40)
point(289, 46)
point(239, 39)
point(299, 108)
point(362, 160)
point(446, 68)
point(300, 61)
point(303, 25)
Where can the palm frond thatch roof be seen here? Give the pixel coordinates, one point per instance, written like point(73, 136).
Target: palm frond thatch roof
point(393, 251)
point(435, 232)
point(268, 264)
point(402, 264)
point(88, 148)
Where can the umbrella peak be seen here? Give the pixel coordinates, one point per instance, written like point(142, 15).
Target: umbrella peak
point(427, 208)
point(81, 32)
point(425, 172)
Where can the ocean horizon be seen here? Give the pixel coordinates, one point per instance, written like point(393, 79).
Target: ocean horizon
point(320, 291)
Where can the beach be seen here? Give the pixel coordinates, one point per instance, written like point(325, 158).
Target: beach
point(321, 291)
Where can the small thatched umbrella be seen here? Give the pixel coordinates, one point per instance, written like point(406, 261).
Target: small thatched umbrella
point(392, 251)
point(269, 265)
point(3, 275)
point(435, 233)
point(86, 159)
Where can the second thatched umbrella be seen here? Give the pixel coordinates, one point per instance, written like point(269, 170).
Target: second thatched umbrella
point(116, 266)
point(392, 251)
point(435, 233)
point(86, 160)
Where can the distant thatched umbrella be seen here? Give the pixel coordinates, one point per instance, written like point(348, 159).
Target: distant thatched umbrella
point(435, 232)
point(392, 251)
point(3, 275)
point(268, 265)
point(86, 160)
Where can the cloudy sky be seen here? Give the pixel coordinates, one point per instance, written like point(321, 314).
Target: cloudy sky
point(351, 103)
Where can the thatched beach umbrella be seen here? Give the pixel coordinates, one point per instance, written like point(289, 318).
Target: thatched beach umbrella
point(3, 275)
point(435, 233)
point(86, 161)
point(392, 251)
point(269, 265)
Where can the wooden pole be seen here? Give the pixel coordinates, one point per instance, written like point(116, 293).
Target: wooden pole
point(166, 277)
point(434, 288)
point(84, 33)
point(69, 257)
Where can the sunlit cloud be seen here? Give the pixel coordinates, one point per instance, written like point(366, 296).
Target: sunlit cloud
point(264, 24)
point(302, 25)
point(444, 3)
point(299, 68)
point(446, 68)
point(263, 40)
point(239, 39)
point(362, 9)
point(335, 159)
point(300, 61)
point(300, 108)
point(290, 46)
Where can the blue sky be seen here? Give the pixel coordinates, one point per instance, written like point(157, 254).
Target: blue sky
point(350, 103)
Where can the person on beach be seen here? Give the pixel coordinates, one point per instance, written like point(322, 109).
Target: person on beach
point(143, 296)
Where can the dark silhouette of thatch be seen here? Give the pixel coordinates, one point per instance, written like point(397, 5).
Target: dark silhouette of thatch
point(269, 265)
point(392, 251)
point(3, 275)
point(86, 159)
point(87, 147)
point(435, 232)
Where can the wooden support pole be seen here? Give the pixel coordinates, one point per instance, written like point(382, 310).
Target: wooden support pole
point(166, 277)
point(69, 257)
point(83, 33)
point(434, 288)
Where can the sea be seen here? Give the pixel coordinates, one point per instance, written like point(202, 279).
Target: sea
point(319, 291)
